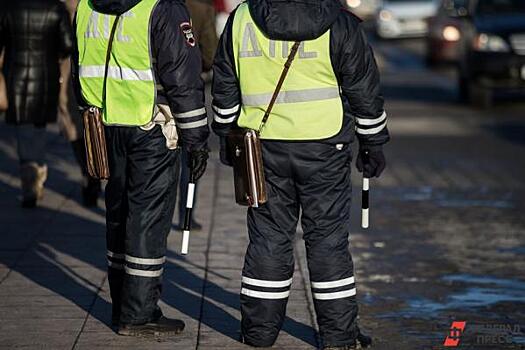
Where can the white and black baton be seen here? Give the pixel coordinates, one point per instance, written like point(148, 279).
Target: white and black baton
point(365, 199)
point(187, 218)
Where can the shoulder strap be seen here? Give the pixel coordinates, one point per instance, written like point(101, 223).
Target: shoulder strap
point(108, 57)
point(287, 66)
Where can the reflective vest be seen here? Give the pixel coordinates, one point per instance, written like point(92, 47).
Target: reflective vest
point(130, 89)
point(309, 106)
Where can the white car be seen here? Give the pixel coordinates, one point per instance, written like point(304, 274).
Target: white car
point(404, 18)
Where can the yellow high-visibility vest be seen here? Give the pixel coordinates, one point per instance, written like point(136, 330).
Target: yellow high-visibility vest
point(309, 106)
point(130, 89)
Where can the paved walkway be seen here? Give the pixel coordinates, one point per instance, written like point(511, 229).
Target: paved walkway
point(53, 286)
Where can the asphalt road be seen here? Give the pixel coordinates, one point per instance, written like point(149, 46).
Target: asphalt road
point(448, 231)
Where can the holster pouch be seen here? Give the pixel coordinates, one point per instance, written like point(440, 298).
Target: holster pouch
point(95, 142)
point(244, 148)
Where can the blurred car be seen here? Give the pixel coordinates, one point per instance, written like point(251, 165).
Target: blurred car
point(493, 52)
point(444, 31)
point(404, 18)
point(365, 9)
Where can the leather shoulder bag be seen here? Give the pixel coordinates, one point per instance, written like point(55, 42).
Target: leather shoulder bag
point(245, 151)
point(94, 136)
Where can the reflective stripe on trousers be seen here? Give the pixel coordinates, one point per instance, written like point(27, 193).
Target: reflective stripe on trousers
point(143, 172)
point(314, 177)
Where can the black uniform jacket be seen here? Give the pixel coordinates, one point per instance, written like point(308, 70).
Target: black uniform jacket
point(352, 60)
point(176, 62)
point(35, 34)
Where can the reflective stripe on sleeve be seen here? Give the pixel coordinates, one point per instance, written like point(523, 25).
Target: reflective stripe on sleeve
point(226, 111)
point(144, 261)
point(115, 73)
point(371, 131)
point(335, 295)
point(265, 283)
point(369, 122)
point(192, 125)
point(295, 96)
point(190, 114)
point(143, 273)
point(265, 295)
point(222, 120)
point(333, 284)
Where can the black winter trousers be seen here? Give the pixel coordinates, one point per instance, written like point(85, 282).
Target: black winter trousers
point(140, 200)
point(313, 178)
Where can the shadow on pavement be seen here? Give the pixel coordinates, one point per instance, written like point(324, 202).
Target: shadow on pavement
point(213, 315)
point(62, 254)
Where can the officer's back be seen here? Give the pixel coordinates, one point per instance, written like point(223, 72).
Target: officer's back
point(330, 96)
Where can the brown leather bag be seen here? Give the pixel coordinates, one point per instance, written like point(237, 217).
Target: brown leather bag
point(4, 103)
point(245, 151)
point(94, 136)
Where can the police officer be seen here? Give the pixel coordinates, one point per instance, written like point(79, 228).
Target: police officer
point(331, 94)
point(153, 84)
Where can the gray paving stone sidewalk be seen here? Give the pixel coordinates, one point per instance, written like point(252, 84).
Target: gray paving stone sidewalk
point(53, 286)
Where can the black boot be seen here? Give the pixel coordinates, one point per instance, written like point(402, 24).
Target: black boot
point(163, 327)
point(343, 347)
point(363, 340)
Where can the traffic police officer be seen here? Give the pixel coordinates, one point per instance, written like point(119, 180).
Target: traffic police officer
point(330, 95)
point(154, 92)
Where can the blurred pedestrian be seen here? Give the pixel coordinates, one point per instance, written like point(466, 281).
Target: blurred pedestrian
point(203, 20)
point(36, 35)
point(70, 122)
point(330, 95)
point(138, 61)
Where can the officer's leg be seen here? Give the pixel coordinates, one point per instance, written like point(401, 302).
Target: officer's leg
point(116, 213)
point(152, 184)
point(325, 200)
point(269, 263)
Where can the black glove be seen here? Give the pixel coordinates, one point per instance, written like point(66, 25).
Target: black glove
point(197, 162)
point(371, 161)
point(224, 154)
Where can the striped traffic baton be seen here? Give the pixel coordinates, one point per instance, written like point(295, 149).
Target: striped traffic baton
point(365, 197)
point(365, 204)
point(187, 218)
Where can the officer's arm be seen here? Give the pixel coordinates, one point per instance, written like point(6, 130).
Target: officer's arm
point(178, 65)
point(226, 91)
point(359, 79)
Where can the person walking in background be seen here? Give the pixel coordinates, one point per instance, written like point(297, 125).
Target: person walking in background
point(36, 35)
point(153, 88)
point(70, 122)
point(331, 94)
point(203, 20)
